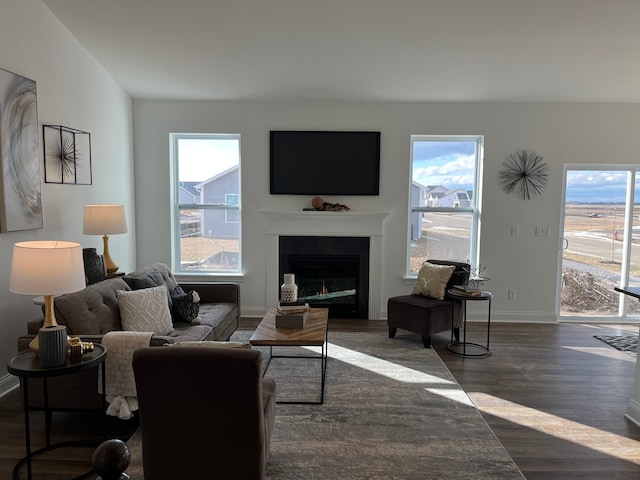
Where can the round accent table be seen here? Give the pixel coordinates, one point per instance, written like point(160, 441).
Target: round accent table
point(27, 365)
point(465, 348)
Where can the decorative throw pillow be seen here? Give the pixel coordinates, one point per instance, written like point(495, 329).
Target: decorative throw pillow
point(148, 280)
point(145, 310)
point(432, 280)
point(186, 306)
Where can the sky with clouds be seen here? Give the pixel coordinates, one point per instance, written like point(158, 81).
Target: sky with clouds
point(448, 163)
point(585, 186)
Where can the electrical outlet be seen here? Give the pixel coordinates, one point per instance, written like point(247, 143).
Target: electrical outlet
point(514, 230)
point(542, 231)
point(512, 294)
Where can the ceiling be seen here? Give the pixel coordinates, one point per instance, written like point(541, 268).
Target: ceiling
point(364, 50)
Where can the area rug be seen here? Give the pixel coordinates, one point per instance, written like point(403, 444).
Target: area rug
point(392, 410)
point(624, 343)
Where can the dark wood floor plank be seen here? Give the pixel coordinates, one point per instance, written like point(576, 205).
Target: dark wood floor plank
point(555, 397)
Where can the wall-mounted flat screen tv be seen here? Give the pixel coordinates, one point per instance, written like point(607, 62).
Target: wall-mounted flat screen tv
point(325, 163)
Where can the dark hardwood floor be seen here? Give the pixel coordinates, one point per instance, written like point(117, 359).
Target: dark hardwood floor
point(554, 395)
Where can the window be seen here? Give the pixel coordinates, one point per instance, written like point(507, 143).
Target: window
point(232, 216)
point(444, 203)
point(207, 203)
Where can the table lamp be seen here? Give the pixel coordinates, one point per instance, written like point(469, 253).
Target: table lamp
point(105, 220)
point(48, 268)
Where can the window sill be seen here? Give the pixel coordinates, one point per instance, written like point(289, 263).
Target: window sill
point(209, 277)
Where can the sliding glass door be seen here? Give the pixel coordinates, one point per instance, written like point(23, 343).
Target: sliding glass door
point(600, 246)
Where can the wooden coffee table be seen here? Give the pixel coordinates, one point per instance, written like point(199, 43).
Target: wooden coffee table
point(314, 334)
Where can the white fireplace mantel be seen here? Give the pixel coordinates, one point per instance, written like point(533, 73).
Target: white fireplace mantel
point(313, 223)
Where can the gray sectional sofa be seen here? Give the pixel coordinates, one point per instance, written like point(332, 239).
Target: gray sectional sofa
point(94, 311)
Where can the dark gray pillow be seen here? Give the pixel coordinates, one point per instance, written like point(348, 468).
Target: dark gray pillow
point(148, 280)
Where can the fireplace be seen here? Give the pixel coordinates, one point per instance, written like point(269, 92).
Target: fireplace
point(362, 224)
point(331, 272)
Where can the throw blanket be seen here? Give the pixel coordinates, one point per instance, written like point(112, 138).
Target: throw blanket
point(120, 383)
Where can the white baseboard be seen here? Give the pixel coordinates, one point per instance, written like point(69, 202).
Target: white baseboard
point(517, 317)
point(253, 312)
point(7, 383)
point(633, 412)
point(475, 316)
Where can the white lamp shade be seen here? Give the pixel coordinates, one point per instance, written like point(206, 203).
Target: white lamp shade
point(46, 268)
point(104, 220)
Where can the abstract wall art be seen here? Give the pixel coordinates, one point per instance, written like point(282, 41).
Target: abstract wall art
point(21, 199)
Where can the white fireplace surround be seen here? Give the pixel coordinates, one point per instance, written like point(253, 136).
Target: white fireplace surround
point(325, 224)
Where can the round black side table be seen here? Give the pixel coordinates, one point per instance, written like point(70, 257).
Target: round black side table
point(27, 365)
point(475, 349)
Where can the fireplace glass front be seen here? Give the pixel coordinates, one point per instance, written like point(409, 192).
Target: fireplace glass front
point(331, 272)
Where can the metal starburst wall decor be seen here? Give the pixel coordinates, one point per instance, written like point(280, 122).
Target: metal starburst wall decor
point(525, 173)
point(67, 156)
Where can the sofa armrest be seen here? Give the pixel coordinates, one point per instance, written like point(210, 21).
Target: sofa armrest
point(215, 292)
point(33, 326)
point(23, 342)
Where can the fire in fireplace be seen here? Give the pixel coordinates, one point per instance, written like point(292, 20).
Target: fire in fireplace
point(331, 272)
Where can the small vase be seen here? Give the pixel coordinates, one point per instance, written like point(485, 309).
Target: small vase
point(289, 289)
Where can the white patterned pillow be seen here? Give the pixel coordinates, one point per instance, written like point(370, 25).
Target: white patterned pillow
point(145, 310)
point(432, 280)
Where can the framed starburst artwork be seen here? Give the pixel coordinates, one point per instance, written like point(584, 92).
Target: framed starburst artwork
point(67, 155)
point(524, 173)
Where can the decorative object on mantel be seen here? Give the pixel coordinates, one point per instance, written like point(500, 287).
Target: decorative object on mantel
point(320, 205)
point(20, 202)
point(525, 172)
point(67, 155)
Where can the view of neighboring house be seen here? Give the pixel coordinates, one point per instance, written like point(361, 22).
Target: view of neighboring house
point(441, 196)
point(418, 199)
point(190, 220)
point(435, 196)
point(221, 189)
point(189, 192)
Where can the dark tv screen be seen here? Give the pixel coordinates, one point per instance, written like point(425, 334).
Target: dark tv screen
point(325, 163)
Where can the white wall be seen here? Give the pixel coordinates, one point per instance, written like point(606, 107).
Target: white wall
point(75, 91)
point(561, 133)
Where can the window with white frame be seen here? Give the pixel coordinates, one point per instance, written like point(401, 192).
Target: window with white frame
point(232, 216)
point(444, 199)
point(207, 203)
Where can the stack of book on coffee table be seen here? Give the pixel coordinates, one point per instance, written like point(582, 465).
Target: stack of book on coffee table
point(291, 315)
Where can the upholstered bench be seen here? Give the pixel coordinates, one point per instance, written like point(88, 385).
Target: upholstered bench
point(427, 315)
